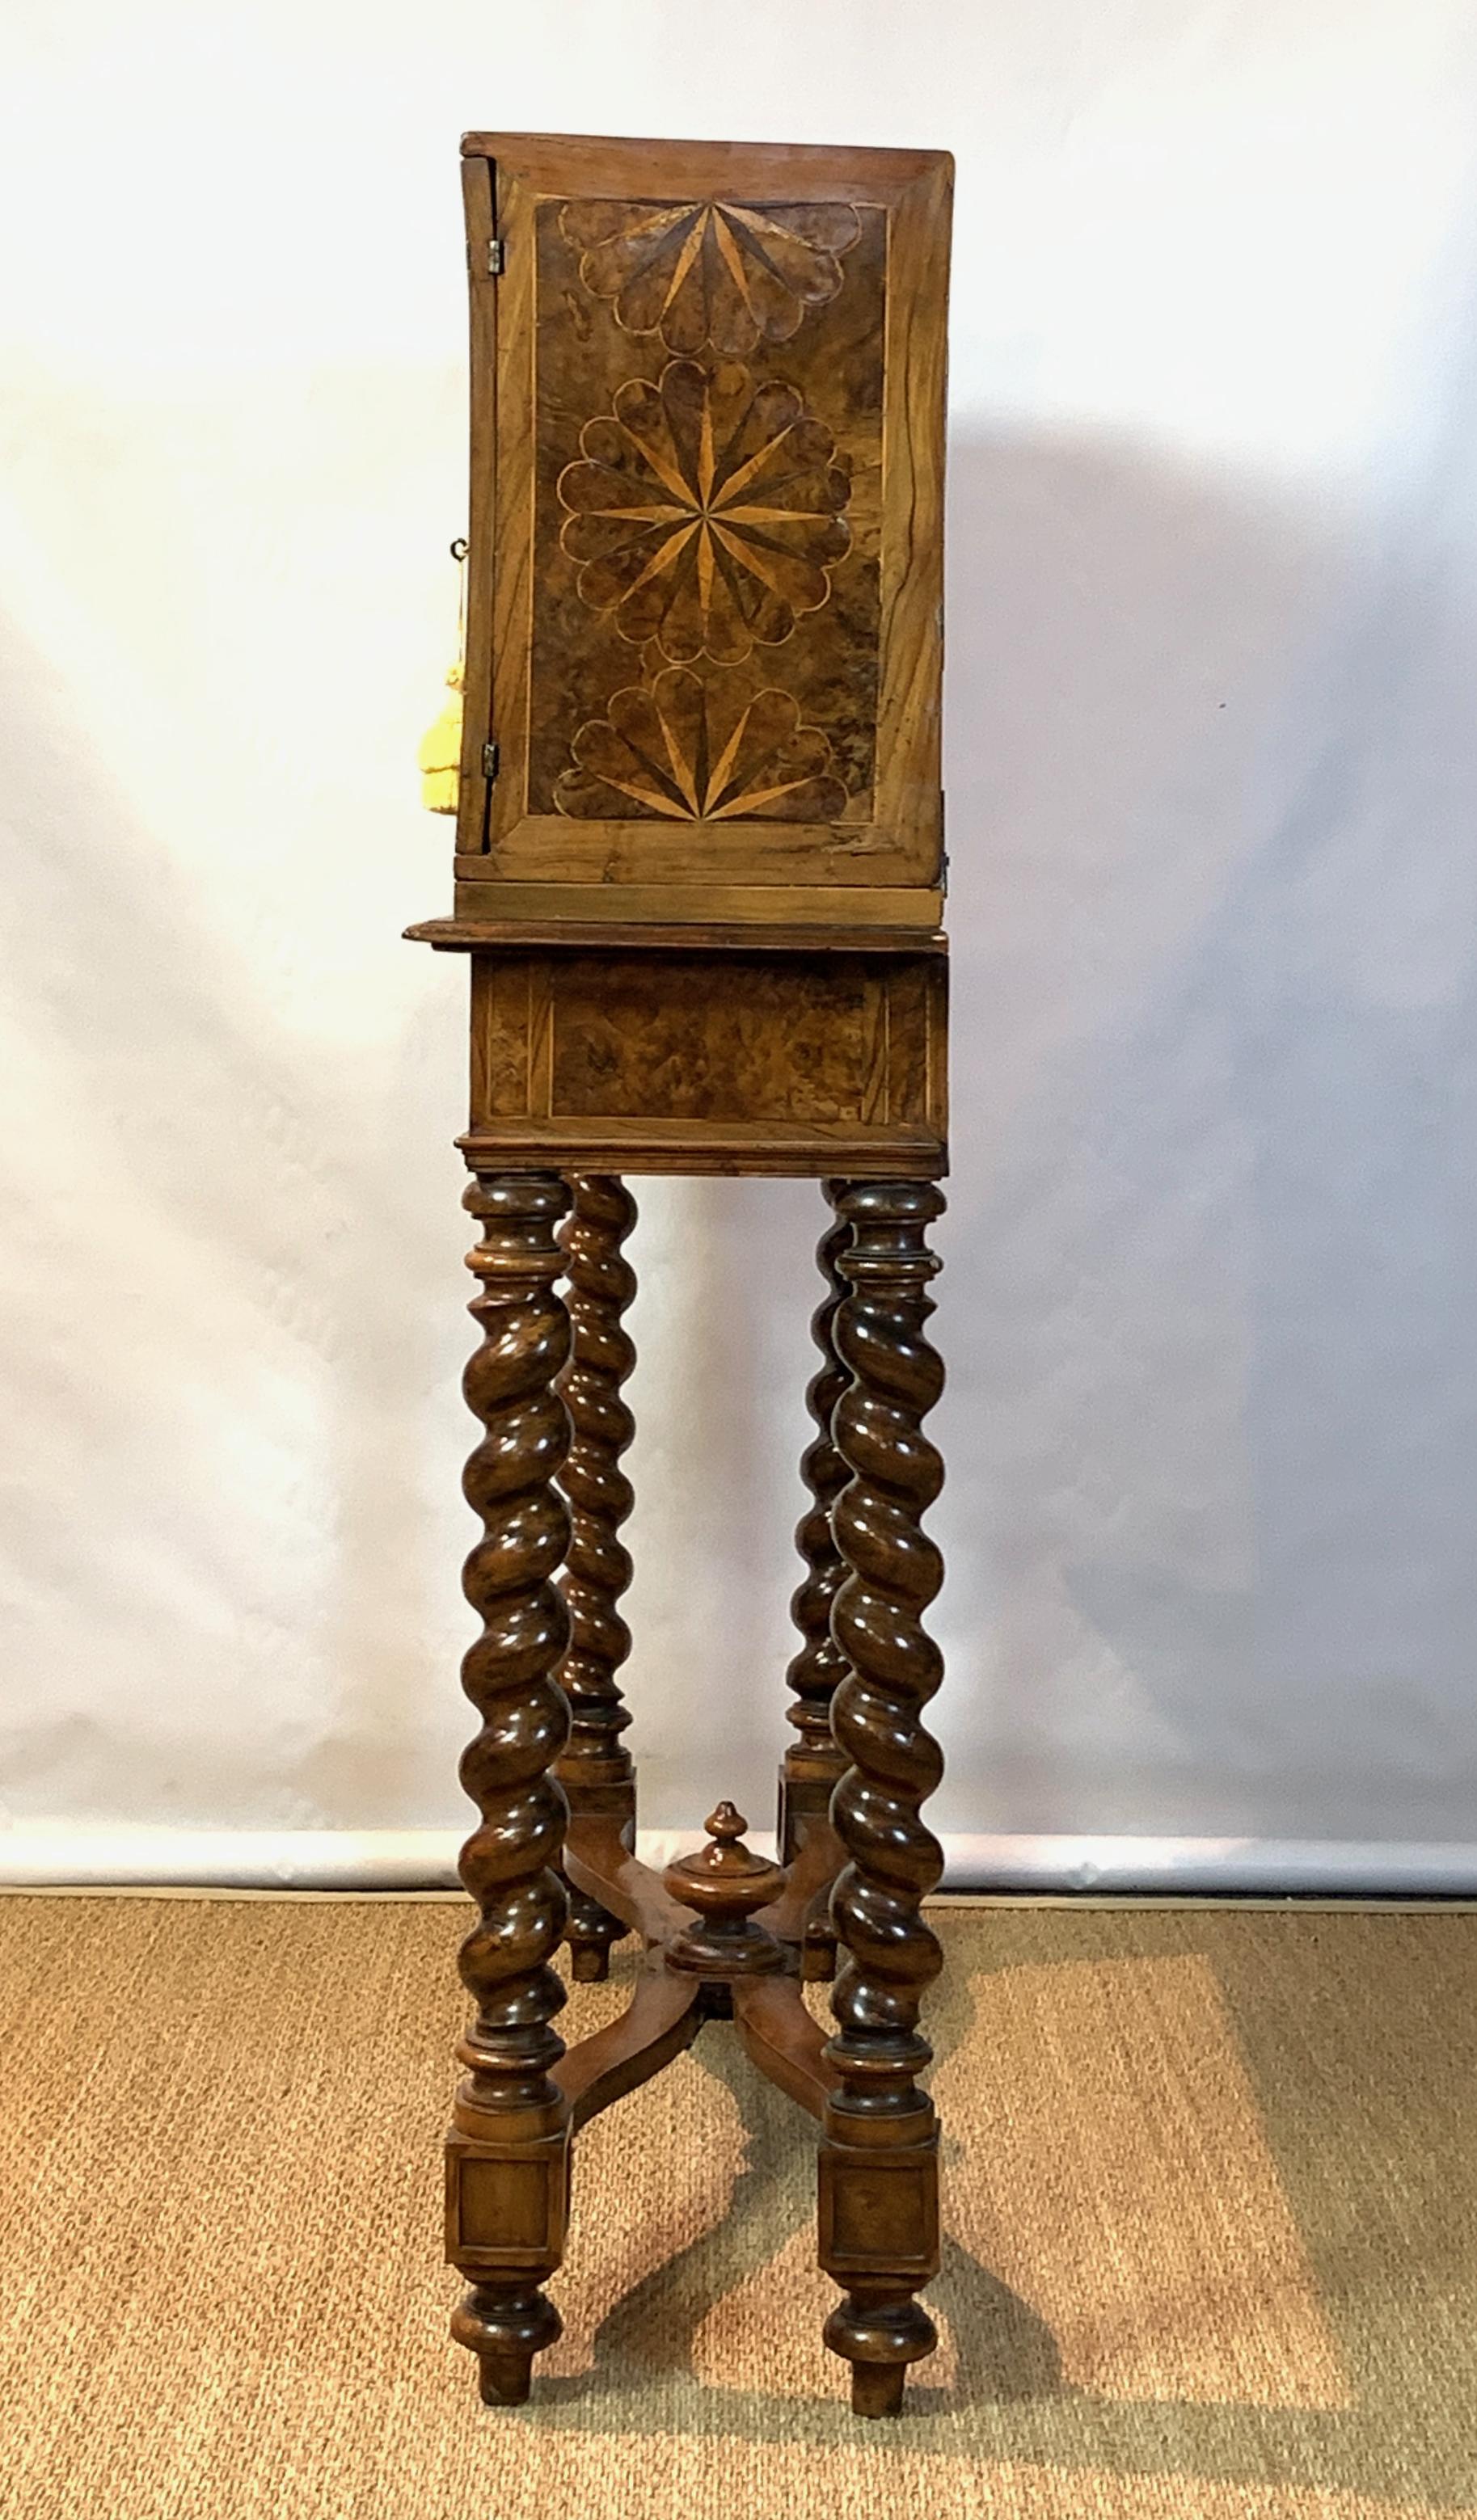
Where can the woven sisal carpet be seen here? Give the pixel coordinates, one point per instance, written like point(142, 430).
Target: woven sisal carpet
point(1210, 2197)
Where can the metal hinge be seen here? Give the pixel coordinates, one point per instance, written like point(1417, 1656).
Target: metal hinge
point(489, 761)
point(497, 257)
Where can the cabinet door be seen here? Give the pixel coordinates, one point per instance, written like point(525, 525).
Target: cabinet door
point(706, 567)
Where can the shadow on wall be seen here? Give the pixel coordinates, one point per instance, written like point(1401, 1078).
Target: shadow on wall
point(1210, 1311)
point(1208, 1306)
point(221, 1612)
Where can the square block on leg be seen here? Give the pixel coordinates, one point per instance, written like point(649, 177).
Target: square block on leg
point(507, 2205)
point(879, 2211)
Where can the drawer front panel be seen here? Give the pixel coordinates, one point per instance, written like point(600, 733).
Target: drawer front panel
point(711, 1049)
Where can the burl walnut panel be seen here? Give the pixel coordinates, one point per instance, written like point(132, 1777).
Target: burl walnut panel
point(673, 1062)
point(719, 517)
point(705, 574)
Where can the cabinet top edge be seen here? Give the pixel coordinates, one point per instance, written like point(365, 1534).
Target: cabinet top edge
point(529, 147)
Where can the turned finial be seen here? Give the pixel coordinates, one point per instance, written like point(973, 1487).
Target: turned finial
point(726, 1883)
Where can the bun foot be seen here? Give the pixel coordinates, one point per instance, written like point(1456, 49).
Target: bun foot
point(589, 1934)
point(505, 2330)
point(880, 2339)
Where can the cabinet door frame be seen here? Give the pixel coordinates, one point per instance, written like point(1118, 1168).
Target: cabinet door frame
point(888, 868)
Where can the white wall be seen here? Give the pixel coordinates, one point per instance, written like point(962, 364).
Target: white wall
point(1213, 774)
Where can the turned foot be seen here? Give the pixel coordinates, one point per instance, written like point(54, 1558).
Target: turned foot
point(877, 2388)
point(505, 2330)
point(504, 2384)
point(590, 1934)
point(880, 2339)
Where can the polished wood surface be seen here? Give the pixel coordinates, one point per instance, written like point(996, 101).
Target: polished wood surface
point(813, 1765)
point(784, 2040)
point(507, 2152)
point(473, 788)
point(851, 912)
point(728, 1932)
point(879, 2223)
point(840, 1055)
point(600, 1861)
point(664, 2016)
point(726, 1884)
point(708, 428)
point(595, 1769)
point(699, 880)
point(780, 1148)
point(544, 926)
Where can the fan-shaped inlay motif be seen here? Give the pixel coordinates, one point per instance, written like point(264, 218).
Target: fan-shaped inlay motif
point(687, 751)
point(709, 274)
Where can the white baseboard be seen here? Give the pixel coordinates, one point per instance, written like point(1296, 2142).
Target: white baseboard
point(50, 1855)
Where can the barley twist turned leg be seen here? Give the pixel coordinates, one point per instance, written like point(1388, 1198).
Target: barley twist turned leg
point(507, 2152)
point(879, 2154)
point(812, 1764)
point(596, 1770)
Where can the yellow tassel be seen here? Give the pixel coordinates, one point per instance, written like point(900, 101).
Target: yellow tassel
point(440, 753)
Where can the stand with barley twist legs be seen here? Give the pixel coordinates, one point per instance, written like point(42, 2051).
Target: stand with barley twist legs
point(699, 882)
point(726, 1933)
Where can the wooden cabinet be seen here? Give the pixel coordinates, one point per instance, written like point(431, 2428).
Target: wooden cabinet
point(706, 582)
point(699, 879)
